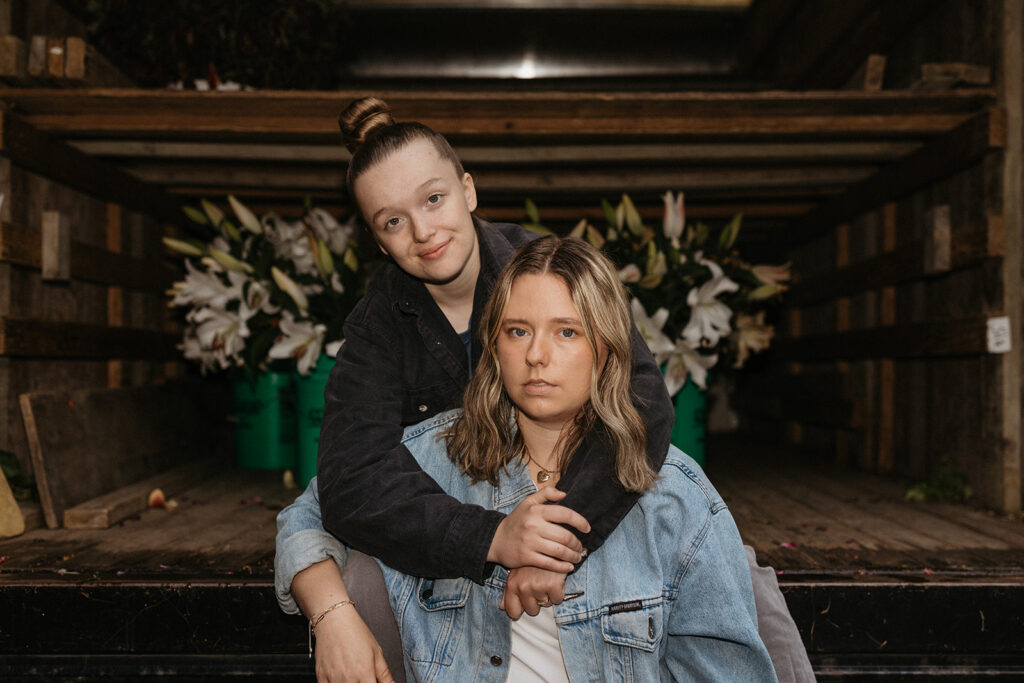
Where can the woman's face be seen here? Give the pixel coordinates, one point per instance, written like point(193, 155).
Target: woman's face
point(420, 213)
point(546, 360)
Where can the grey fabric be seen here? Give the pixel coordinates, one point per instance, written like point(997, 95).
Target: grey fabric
point(776, 626)
point(365, 585)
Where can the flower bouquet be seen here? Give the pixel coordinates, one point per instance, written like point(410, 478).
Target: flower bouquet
point(265, 290)
point(694, 298)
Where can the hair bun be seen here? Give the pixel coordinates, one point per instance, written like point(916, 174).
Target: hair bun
point(361, 118)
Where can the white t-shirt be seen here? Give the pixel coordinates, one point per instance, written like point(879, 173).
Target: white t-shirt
point(536, 652)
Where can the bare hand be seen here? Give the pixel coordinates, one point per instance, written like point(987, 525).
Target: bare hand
point(531, 535)
point(346, 651)
point(527, 587)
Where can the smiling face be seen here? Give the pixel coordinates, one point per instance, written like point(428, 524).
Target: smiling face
point(546, 360)
point(419, 211)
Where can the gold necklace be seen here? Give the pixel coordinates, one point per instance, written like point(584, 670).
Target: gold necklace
point(543, 475)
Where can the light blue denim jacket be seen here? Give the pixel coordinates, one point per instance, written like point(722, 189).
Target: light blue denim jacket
point(668, 596)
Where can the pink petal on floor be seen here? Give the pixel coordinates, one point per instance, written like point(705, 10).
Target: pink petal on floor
point(787, 544)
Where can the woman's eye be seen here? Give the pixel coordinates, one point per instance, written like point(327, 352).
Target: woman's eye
point(434, 198)
point(391, 223)
point(568, 333)
point(516, 332)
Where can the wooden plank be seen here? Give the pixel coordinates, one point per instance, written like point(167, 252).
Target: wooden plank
point(953, 74)
point(870, 76)
point(115, 295)
point(968, 246)
point(92, 441)
point(525, 180)
point(943, 156)
point(13, 60)
point(937, 240)
point(30, 337)
point(1008, 426)
point(55, 58)
point(55, 254)
point(459, 114)
point(108, 509)
point(37, 152)
point(11, 521)
point(964, 337)
point(37, 58)
point(21, 246)
point(84, 65)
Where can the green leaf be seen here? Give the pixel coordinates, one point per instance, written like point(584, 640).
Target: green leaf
point(196, 215)
point(730, 233)
point(531, 212)
point(609, 212)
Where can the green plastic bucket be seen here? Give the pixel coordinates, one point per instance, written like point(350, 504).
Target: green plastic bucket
point(690, 428)
point(265, 421)
point(309, 393)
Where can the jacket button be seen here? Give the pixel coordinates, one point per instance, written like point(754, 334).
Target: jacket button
point(427, 594)
point(495, 660)
point(423, 407)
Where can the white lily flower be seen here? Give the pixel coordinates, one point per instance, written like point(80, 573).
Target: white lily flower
point(192, 349)
point(752, 335)
point(326, 228)
point(299, 340)
point(222, 332)
point(685, 360)
point(709, 317)
point(772, 275)
point(336, 284)
point(292, 242)
point(650, 329)
point(333, 347)
point(257, 298)
point(201, 288)
point(630, 274)
point(675, 217)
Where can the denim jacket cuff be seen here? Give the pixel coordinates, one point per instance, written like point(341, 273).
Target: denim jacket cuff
point(300, 551)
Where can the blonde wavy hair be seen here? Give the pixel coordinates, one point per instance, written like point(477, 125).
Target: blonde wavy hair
point(484, 438)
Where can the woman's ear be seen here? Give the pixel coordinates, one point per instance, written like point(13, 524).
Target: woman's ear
point(469, 191)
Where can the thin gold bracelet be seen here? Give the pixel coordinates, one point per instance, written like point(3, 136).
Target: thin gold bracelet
point(315, 621)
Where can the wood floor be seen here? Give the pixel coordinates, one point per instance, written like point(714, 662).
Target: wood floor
point(806, 521)
point(806, 518)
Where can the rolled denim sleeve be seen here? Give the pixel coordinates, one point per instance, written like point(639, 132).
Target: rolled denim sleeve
point(301, 543)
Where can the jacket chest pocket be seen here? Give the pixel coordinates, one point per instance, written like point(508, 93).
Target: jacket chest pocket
point(434, 618)
point(422, 402)
point(633, 630)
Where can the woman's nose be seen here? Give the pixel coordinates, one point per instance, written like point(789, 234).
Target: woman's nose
point(422, 230)
point(537, 353)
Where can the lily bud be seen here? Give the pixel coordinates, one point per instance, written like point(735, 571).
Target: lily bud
point(230, 262)
point(183, 247)
point(246, 217)
point(289, 287)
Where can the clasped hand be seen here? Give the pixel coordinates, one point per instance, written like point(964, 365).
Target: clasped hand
point(538, 551)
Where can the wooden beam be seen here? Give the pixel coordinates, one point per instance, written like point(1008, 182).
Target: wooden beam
point(222, 178)
point(682, 114)
point(967, 144)
point(34, 338)
point(53, 159)
point(965, 337)
point(55, 254)
point(21, 246)
point(765, 22)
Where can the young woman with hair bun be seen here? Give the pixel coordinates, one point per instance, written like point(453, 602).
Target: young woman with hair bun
point(411, 346)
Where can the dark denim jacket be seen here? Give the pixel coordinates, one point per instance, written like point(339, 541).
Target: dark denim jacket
point(401, 363)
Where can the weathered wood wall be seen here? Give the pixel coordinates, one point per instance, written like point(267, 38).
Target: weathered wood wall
point(104, 323)
point(885, 362)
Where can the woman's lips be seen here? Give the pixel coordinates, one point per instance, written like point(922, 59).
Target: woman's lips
point(537, 387)
point(436, 252)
